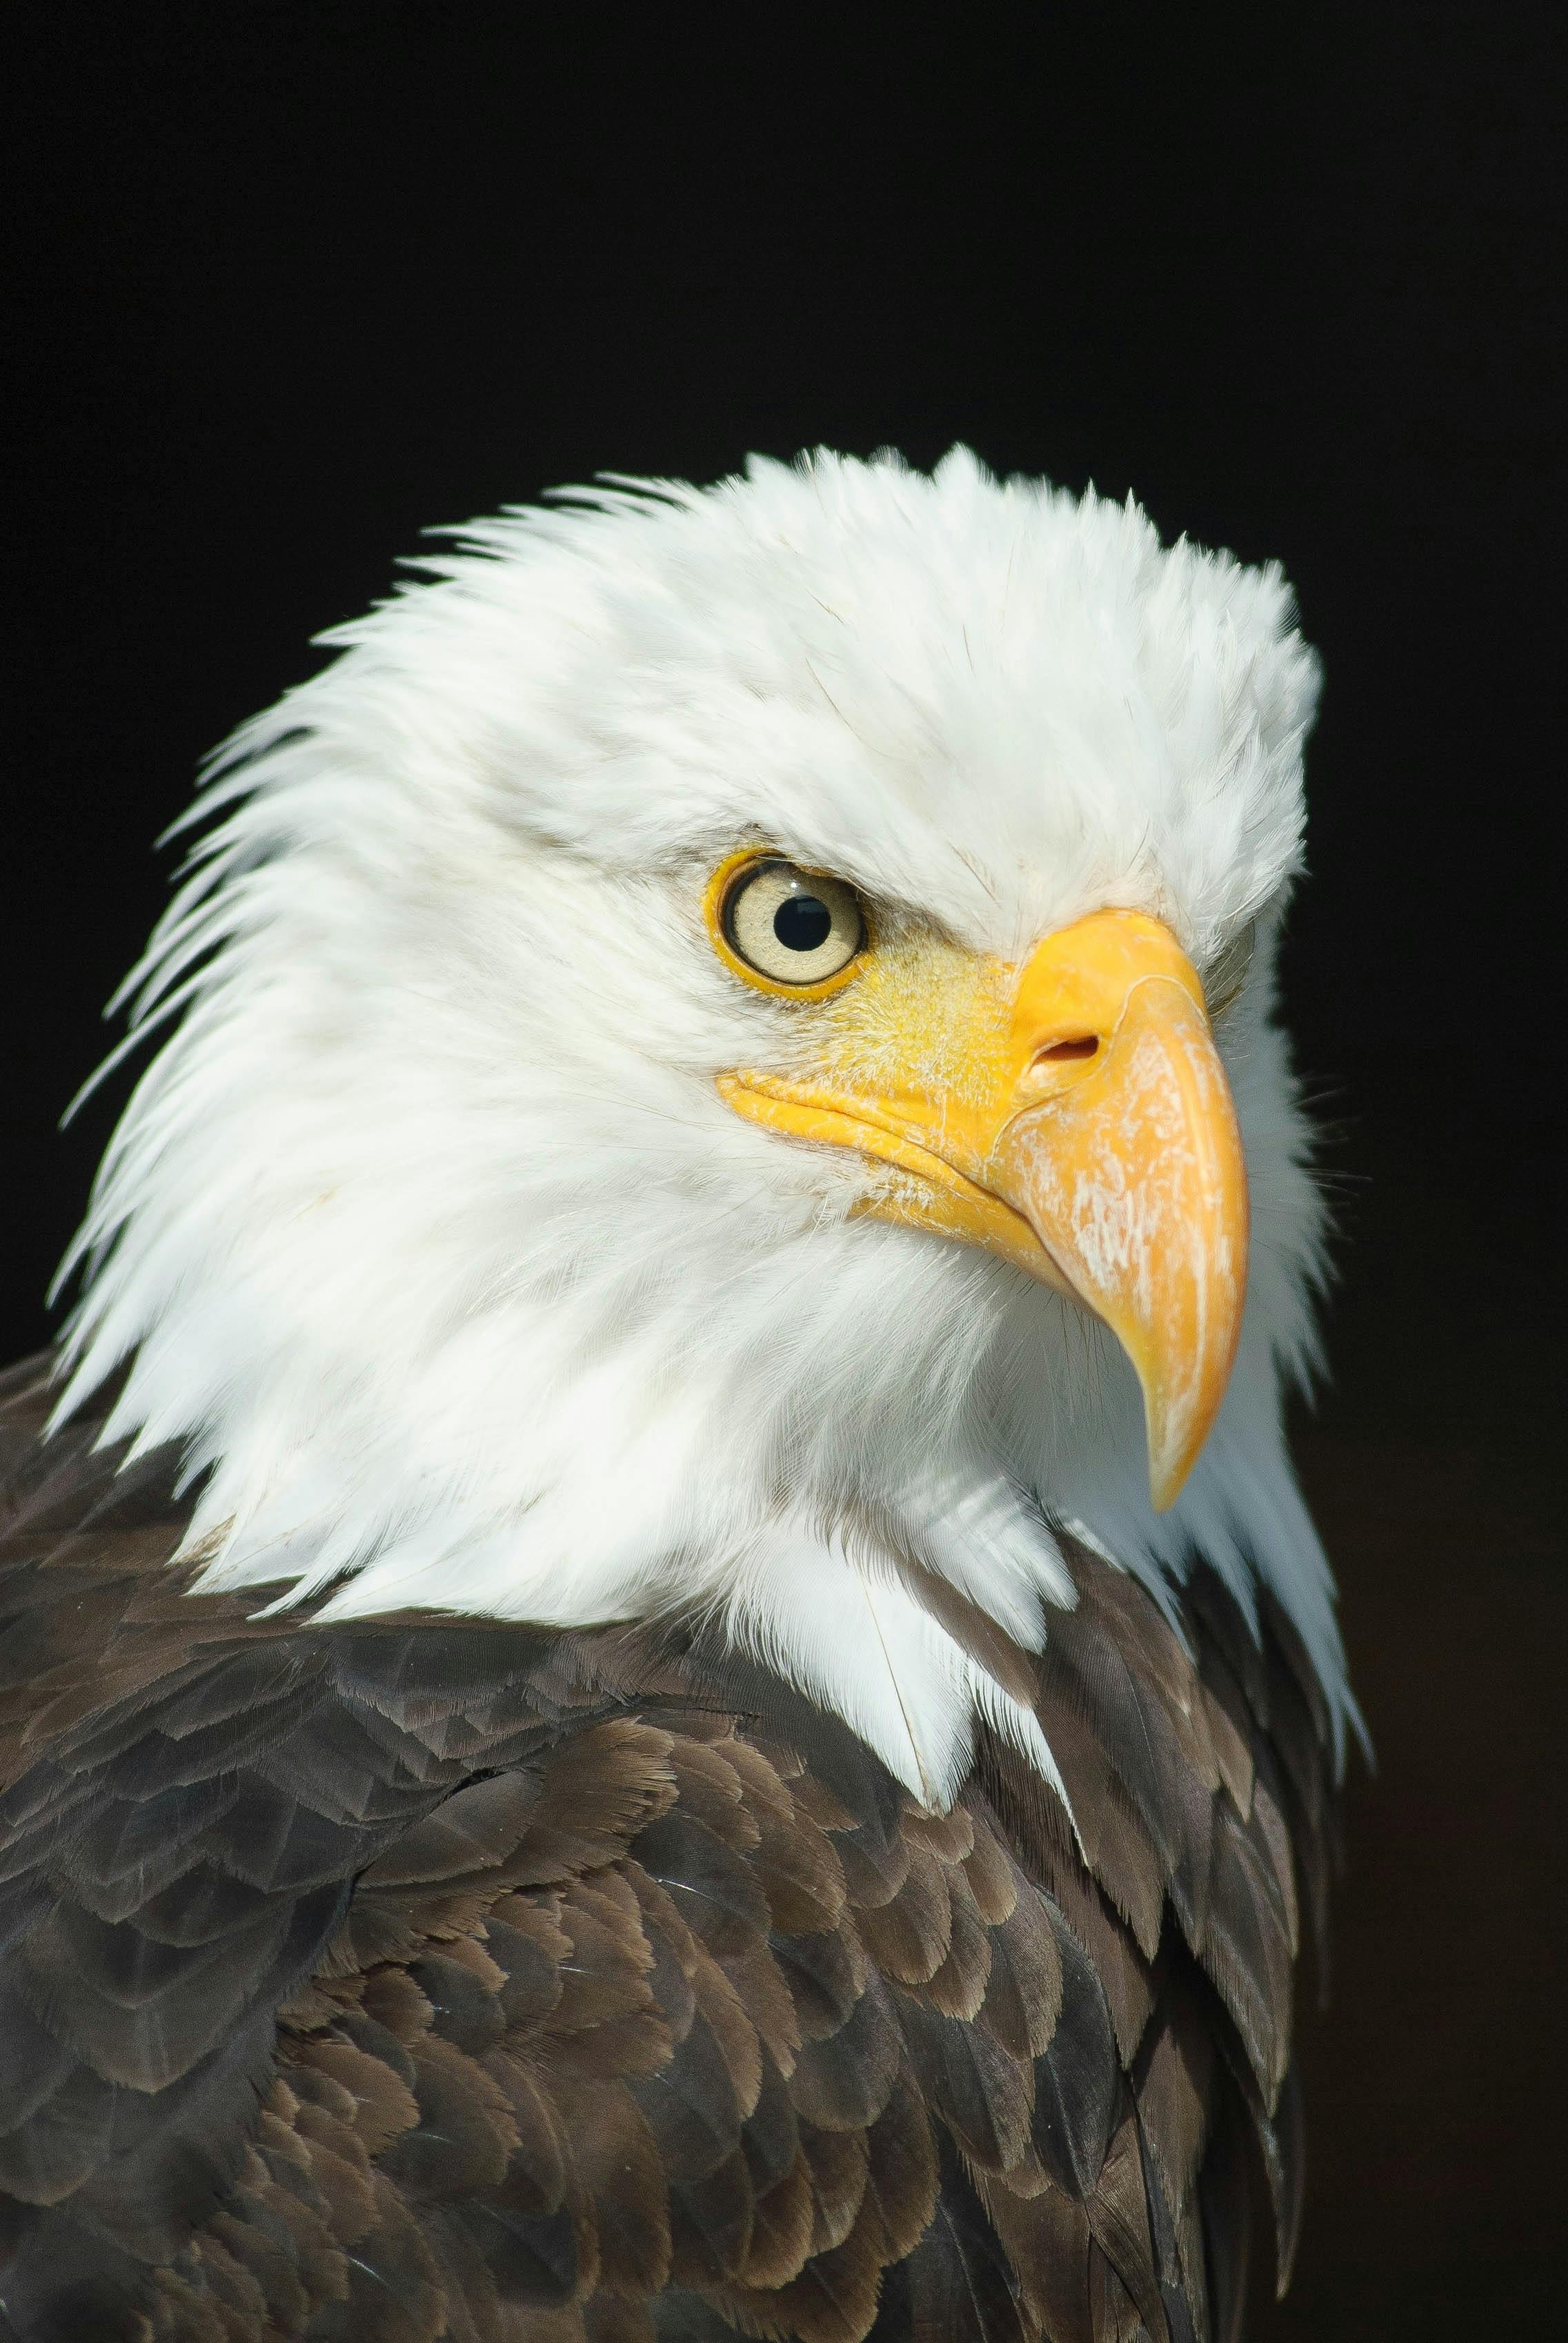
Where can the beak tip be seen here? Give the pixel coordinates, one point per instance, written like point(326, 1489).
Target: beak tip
point(1171, 1445)
point(1172, 1449)
point(1165, 1485)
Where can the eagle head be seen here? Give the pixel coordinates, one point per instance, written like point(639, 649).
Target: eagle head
point(720, 1061)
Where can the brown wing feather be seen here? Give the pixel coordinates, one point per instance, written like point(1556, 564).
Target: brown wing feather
point(431, 1978)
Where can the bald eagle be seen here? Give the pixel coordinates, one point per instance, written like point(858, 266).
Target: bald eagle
point(663, 1676)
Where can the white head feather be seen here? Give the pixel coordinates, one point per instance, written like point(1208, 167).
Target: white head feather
point(427, 1232)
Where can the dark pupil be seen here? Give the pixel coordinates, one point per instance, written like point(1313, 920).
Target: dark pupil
point(802, 924)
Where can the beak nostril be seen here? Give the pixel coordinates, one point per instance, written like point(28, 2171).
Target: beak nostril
point(1082, 1045)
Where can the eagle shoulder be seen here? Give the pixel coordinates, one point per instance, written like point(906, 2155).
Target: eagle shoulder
point(420, 1977)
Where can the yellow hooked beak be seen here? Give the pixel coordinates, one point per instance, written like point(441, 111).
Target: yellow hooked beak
point(1071, 1115)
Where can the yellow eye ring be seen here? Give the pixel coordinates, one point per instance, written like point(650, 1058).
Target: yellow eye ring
point(842, 903)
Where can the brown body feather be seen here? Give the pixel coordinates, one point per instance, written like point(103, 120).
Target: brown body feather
point(427, 1979)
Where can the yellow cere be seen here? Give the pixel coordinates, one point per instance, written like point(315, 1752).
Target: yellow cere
point(926, 1023)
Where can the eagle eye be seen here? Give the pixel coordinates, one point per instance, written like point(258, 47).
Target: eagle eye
point(798, 930)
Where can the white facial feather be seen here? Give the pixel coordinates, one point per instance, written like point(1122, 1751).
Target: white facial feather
point(427, 1231)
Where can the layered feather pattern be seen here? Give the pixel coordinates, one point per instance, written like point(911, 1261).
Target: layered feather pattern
point(410, 1978)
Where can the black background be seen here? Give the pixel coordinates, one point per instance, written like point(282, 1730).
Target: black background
point(289, 284)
